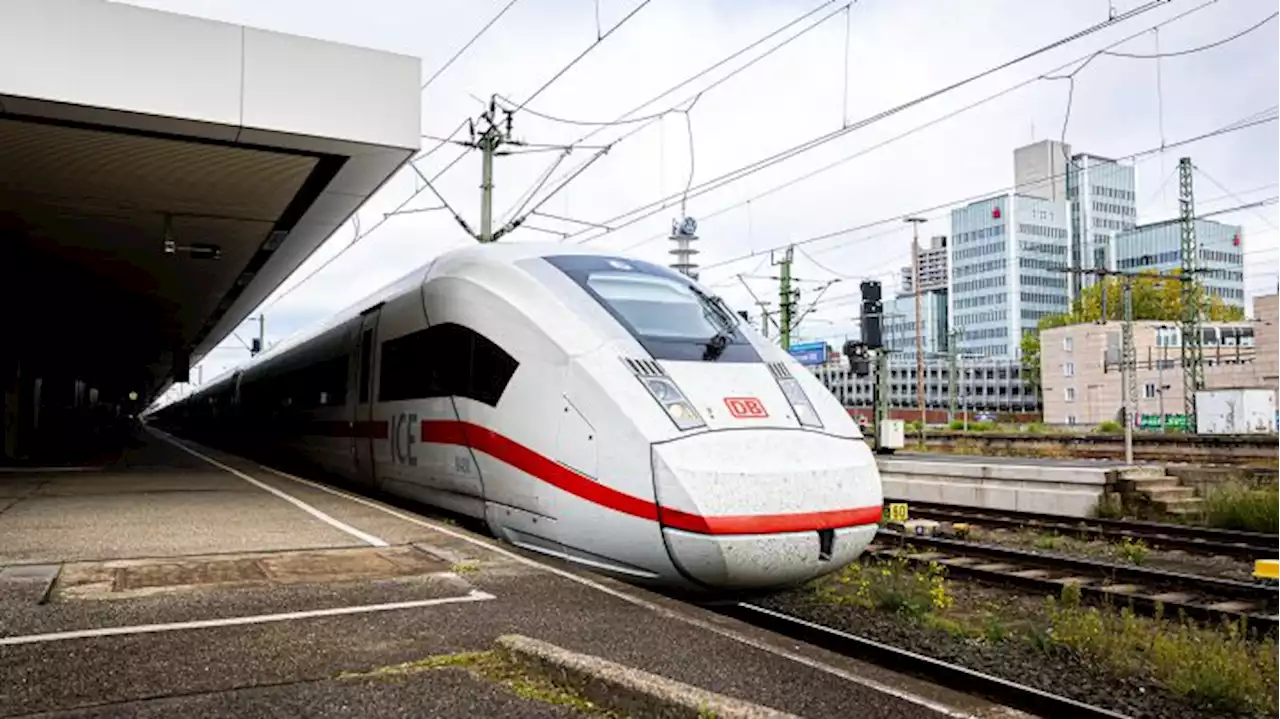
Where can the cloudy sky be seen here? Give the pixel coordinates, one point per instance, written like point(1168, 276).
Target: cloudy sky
point(862, 59)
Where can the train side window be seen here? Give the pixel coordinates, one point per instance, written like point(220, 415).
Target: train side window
point(446, 360)
point(366, 362)
point(491, 370)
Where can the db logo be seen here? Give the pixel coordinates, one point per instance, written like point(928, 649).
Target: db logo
point(745, 407)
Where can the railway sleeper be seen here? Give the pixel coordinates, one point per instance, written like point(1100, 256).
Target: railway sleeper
point(1099, 590)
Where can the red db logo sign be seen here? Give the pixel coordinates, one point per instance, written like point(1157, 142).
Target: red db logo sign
point(745, 407)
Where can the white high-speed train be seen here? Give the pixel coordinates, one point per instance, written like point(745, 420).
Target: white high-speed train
point(600, 409)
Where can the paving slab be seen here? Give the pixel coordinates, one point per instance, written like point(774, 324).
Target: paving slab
point(279, 626)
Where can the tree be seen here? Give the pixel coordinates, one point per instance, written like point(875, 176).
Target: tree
point(1154, 298)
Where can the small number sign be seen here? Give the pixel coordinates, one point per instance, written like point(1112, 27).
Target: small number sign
point(897, 512)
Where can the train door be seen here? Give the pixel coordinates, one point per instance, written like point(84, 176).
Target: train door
point(363, 428)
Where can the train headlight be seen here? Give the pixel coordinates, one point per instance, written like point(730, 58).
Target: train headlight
point(673, 401)
point(804, 410)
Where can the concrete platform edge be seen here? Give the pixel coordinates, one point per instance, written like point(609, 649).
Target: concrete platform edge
point(626, 689)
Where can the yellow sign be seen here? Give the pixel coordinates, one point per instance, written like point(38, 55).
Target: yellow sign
point(897, 512)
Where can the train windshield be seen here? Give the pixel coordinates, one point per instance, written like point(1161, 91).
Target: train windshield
point(662, 309)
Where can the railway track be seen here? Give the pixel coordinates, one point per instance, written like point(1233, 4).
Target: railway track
point(1200, 540)
point(1198, 597)
point(951, 675)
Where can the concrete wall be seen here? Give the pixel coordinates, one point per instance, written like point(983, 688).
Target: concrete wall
point(1068, 490)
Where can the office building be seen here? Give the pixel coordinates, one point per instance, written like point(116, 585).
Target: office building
point(933, 268)
point(1158, 246)
point(985, 385)
point(1103, 202)
point(899, 326)
point(1005, 255)
point(1081, 378)
point(1040, 170)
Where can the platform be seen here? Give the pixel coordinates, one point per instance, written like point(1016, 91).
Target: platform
point(185, 581)
point(1071, 488)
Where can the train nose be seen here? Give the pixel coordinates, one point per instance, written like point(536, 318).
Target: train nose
point(754, 509)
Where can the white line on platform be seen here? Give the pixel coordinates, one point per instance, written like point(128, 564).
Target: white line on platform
point(342, 526)
point(474, 596)
point(881, 687)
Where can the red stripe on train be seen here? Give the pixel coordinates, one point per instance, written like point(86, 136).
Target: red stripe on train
point(579, 485)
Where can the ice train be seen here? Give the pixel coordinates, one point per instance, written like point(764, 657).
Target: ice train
point(601, 409)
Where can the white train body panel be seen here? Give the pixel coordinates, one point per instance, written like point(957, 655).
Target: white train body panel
point(679, 448)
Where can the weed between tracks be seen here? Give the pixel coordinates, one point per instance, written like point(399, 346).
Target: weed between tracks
point(1144, 666)
point(1237, 506)
point(1125, 551)
point(494, 667)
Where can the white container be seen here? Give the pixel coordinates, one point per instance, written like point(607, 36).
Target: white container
point(1236, 411)
point(892, 434)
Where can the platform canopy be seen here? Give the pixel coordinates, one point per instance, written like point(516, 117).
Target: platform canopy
point(161, 174)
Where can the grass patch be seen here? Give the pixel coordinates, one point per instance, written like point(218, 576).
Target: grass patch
point(1223, 668)
point(893, 585)
point(1235, 505)
point(494, 667)
point(469, 566)
point(1215, 668)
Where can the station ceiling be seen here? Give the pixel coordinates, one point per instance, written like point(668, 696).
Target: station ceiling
point(85, 212)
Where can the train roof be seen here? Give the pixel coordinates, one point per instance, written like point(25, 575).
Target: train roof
point(502, 253)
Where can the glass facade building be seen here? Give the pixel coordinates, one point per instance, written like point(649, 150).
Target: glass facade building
point(1103, 203)
point(1158, 246)
point(899, 333)
point(1005, 257)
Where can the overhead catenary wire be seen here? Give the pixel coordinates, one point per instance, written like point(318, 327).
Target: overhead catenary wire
point(971, 198)
point(751, 168)
point(358, 238)
point(622, 119)
point(583, 54)
point(685, 105)
point(1233, 195)
point(1193, 50)
point(470, 42)
point(918, 128)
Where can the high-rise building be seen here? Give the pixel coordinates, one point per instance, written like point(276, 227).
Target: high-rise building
point(1103, 203)
point(1040, 170)
point(1158, 246)
point(933, 268)
point(900, 323)
point(1005, 257)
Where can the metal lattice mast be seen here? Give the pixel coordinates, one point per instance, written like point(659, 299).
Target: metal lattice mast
point(1192, 347)
point(1129, 366)
point(786, 299)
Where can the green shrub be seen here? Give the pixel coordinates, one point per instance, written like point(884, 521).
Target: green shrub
point(1109, 427)
point(1036, 428)
point(1218, 668)
point(1236, 506)
point(892, 585)
point(983, 426)
point(1131, 550)
point(956, 425)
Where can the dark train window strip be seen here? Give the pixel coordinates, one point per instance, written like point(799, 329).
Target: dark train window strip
point(445, 360)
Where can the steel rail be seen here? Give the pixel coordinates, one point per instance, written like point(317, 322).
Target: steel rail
point(1202, 540)
point(947, 674)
